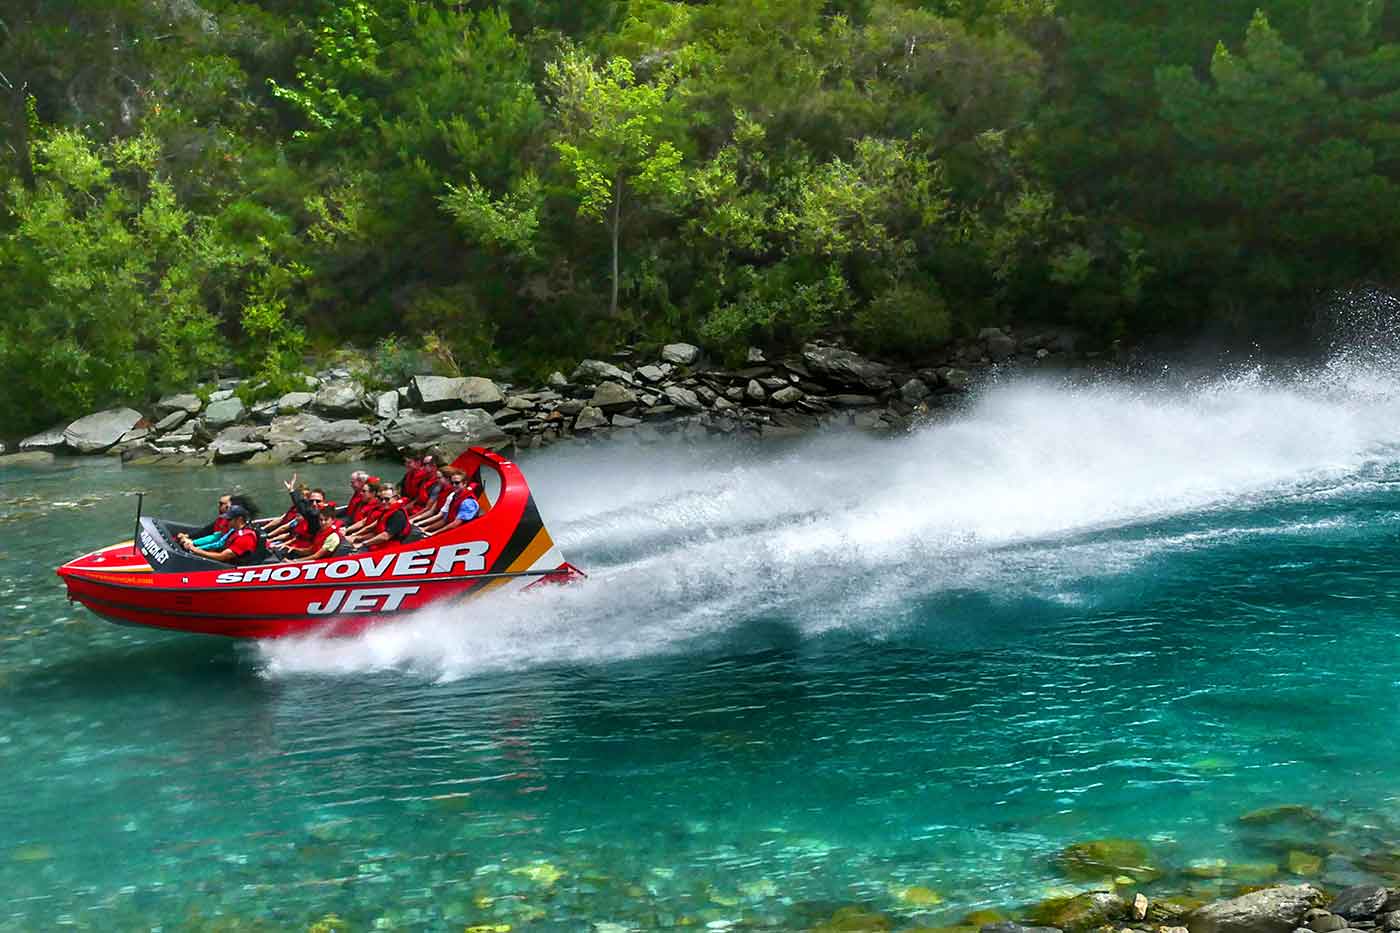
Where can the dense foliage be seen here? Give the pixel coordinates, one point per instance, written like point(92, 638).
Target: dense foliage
point(186, 184)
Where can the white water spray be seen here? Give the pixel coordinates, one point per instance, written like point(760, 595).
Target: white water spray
point(686, 541)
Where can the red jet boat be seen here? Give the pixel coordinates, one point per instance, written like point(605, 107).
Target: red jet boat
point(152, 581)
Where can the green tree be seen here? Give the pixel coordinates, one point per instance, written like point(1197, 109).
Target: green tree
point(611, 141)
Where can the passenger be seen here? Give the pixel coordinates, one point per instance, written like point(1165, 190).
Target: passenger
point(211, 536)
point(330, 540)
point(393, 526)
point(368, 513)
point(297, 537)
point(280, 530)
point(220, 523)
point(357, 495)
point(429, 488)
point(459, 507)
point(241, 544)
point(464, 506)
point(434, 514)
point(413, 468)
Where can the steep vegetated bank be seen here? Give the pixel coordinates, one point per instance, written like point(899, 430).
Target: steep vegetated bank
point(510, 186)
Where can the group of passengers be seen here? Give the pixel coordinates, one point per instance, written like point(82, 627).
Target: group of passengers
point(379, 514)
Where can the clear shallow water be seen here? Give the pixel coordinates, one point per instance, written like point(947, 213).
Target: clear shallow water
point(799, 679)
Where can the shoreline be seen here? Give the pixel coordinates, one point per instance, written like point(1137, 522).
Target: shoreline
point(337, 420)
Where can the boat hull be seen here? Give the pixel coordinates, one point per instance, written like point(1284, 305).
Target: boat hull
point(150, 582)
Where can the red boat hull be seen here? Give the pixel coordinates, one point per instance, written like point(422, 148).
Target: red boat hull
point(506, 547)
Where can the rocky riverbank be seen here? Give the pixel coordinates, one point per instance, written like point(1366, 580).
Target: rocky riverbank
point(336, 418)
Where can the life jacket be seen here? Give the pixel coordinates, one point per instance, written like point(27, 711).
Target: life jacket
point(442, 499)
point(370, 511)
point(288, 516)
point(412, 482)
point(381, 526)
point(427, 494)
point(301, 532)
point(220, 525)
point(253, 553)
point(458, 497)
point(352, 508)
point(328, 528)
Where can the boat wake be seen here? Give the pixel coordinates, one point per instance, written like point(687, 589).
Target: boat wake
point(1036, 491)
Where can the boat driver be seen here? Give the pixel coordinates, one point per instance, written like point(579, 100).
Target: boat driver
point(241, 543)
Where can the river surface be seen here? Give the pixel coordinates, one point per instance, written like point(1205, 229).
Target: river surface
point(847, 676)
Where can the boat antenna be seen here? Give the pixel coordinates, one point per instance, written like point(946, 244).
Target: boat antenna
point(136, 535)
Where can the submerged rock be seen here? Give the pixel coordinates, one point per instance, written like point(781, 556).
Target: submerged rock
point(1080, 912)
point(99, 431)
point(1101, 858)
point(27, 458)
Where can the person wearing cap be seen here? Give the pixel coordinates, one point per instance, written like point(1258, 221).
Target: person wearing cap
point(329, 541)
point(239, 546)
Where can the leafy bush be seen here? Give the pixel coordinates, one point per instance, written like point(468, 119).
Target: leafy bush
point(904, 321)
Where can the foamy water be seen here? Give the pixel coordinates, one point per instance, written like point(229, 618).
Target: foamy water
point(846, 530)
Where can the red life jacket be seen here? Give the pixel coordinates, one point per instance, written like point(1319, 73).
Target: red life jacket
point(380, 528)
point(458, 497)
point(357, 502)
point(301, 532)
point(427, 494)
point(220, 525)
point(242, 542)
point(412, 481)
point(288, 516)
point(328, 528)
point(370, 511)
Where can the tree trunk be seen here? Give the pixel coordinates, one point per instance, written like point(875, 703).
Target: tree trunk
point(19, 116)
point(616, 231)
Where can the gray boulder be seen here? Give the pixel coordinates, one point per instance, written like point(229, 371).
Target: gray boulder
point(445, 393)
point(343, 397)
point(683, 354)
point(386, 406)
point(134, 435)
point(556, 379)
point(1361, 902)
point(221, 394)
point(999, 345)
point(682, 397)
point(337, 435)
point(186, 402)
point(844, 367)
point(224, 412)
point(232, 451)
point(99, 431)
point(650, 373)
point(914, 391)
point(590, 418)
point(264, 411)
point(44, 440)
point(290, 428)
point(613, 397)
point(450, 432)
point(787, 396)
point(293, 402)
point(1273, 910)
point(594, 371)
point(623, 421)
point(285, 452)
point(755, 392)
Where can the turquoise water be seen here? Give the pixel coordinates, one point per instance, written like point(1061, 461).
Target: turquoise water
point(799, 679)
